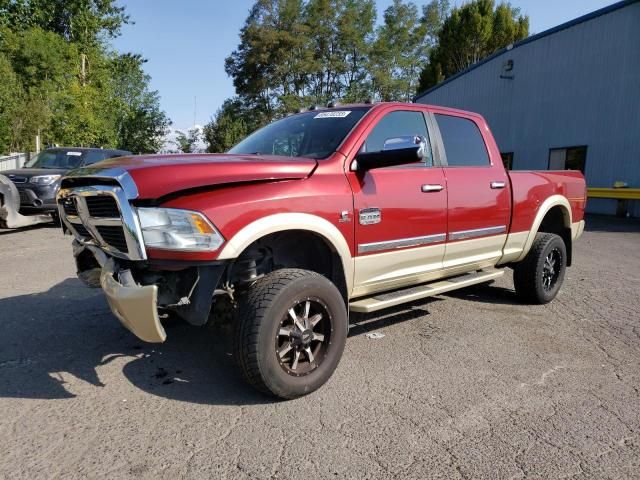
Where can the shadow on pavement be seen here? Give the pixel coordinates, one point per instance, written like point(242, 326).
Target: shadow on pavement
point(486, 294)
point(68, 331)
point(37, 226)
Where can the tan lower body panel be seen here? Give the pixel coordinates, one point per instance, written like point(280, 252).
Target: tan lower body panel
point(397, 269)
point(134, 306)
point(475, 251)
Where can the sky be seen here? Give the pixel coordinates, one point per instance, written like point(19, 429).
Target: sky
point(186, 43)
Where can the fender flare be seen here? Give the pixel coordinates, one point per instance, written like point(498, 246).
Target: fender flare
point(280, 222)
point(548, 204)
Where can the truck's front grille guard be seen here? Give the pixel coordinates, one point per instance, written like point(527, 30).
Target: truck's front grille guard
point(128, 219)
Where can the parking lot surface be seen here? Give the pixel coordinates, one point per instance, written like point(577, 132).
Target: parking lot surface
point(467, 385)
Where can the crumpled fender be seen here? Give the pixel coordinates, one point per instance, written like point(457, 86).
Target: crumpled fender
point(10, 205)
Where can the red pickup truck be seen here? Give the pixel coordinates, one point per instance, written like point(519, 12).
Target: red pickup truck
point(351, 208)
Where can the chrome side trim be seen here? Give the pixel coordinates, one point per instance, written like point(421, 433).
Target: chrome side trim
point(401, 243)
point(478, 232)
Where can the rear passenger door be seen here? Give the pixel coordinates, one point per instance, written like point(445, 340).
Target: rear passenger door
point(478, 194)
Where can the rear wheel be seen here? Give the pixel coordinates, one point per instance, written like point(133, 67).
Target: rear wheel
point(291, 331)
point(538, 278)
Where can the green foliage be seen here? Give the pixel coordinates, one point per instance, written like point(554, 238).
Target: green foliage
point(186, 142)
point(297, 53)
point(402, 46)
point(85, 22)
point(139, 121)
point(230, 125)
point(11, 95)
point(472, 32)
point(62, 82)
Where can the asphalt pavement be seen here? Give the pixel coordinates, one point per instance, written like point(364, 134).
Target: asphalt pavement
point(467, 385)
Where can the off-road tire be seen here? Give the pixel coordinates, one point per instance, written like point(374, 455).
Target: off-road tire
point(263, 308)
point(529, 274)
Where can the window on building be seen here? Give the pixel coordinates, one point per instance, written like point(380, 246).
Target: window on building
point(398, 124)
point(568, 158)
point(463, 143)
point(507, 160)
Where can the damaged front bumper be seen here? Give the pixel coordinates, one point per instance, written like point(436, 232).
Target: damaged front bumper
point(136, 293)
point(135, 306)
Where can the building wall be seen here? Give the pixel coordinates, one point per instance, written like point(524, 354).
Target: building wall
point(578, 86)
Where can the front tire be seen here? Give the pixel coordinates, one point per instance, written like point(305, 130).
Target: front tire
point(538, 278)
point(291, 331)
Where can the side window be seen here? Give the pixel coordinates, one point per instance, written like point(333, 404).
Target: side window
point(463, 143)
point(92, 157)
point(398, 124)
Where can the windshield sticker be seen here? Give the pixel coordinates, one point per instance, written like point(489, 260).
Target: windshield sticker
point(74, 154)
point(339, 114)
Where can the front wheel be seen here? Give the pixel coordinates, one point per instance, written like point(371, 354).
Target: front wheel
point(538, 278)
point(291, 330)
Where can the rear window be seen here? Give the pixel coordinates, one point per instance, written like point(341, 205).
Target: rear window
point(463, 143)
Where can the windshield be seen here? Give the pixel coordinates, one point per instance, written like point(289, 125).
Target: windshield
point(55, 159)
point(315, 134)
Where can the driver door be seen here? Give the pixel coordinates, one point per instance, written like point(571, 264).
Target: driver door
point(400, 212)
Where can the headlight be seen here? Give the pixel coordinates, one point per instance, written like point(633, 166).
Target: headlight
point(174, 229)
point(44, 179)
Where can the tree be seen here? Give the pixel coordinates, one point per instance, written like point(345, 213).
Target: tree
point(402, 45)
point(186, 142)
point(85, 22)
point(472, 32)
point(296, 53)
point(11, 96)
point(71, 88)
point(140, 123)
point(228, 127)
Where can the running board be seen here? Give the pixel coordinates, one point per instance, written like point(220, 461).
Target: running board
point(397, 297)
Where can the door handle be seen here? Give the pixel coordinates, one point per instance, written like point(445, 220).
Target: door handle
point(431, 188)
point(496, 185)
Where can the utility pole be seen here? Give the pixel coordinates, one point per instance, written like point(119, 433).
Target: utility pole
point(195, 105)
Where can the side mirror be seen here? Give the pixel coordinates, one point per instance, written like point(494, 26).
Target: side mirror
point(395, 151)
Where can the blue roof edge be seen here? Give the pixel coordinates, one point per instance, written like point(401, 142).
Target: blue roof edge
point(576, 21)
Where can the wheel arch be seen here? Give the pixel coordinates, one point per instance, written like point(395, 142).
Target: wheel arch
point(554, 216)
point(296, 223)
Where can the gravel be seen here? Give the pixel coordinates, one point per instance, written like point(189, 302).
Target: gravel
point(467, 385)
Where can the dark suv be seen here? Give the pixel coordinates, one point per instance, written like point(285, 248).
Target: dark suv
point(38, 181)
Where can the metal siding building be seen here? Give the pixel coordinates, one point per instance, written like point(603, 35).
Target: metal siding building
point(577, 84)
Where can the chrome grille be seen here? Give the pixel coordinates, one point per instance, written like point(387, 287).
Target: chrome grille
point(101, 215)
point(102, 206)
point(114, 236)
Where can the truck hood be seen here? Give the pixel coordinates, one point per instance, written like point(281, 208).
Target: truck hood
point(159, 175)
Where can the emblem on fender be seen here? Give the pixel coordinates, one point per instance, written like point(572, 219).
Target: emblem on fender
point(369, 216)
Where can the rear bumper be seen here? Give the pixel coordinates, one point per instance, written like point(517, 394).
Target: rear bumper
point(38, 198)
point(135, 306)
